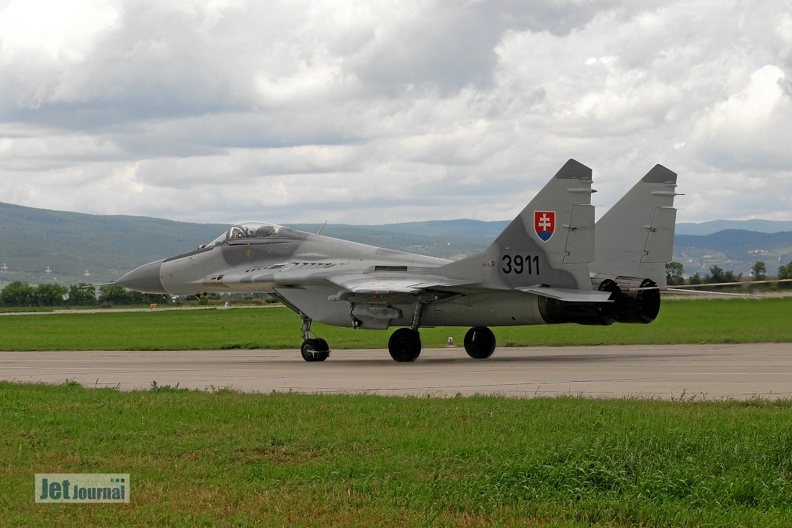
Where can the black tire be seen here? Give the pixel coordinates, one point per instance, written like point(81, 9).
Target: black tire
point(479, 342)
point(315, 350)
point(405, 345)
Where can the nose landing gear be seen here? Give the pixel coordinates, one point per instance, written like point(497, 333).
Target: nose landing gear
point(313, 349)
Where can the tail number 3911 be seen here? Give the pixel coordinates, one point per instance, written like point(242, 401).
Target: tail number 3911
point(519, 264)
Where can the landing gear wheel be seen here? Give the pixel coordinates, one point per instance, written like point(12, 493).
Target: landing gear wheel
point(315, 350)
point(479, 342)
point(405, 345)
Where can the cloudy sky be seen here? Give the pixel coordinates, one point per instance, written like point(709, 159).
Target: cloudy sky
point(371, 112)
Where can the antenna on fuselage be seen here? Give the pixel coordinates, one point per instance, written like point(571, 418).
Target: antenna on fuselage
point(321, 228)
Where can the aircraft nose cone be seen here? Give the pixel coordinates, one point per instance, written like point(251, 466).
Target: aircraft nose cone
point(144, 279)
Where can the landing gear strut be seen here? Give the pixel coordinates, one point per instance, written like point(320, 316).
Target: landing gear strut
point(312, 349)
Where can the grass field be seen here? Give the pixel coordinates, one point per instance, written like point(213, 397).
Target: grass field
point(233, 459)
point(680, 321)
point(225, 458)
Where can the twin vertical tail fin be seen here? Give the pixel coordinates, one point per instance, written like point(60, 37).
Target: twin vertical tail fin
point(547, 247)
point(549, 250)
point(635, 238)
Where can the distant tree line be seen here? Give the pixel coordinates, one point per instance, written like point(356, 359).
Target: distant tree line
point(718, 275)
point(21, 294)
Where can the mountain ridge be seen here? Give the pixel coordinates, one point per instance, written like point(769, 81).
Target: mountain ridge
point(106, 246)
point(714, 226)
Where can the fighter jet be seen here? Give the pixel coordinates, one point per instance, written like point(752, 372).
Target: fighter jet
point(537, 271)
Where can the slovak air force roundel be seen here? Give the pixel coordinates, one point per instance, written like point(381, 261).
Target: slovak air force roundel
point(544, 224)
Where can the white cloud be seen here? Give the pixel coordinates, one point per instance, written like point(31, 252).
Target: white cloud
point(373, 112)
point(751, 127)
point(62, 32)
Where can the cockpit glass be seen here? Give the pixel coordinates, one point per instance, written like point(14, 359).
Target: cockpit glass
point(247, 230)
point(218, 240)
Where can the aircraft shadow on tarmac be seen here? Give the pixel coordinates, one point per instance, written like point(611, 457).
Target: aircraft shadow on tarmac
point(462, 359)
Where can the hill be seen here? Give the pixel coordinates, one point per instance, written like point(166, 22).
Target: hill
point(32, 240)
point(733, 249)
point(708, 228)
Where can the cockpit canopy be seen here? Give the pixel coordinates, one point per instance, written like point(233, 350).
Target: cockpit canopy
point(247, 230)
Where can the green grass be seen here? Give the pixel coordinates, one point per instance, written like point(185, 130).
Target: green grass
point(233, 459)
point(680, 321)
point(225, 458)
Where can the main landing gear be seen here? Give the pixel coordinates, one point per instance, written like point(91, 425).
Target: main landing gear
point(404, 344)
point(479, 342)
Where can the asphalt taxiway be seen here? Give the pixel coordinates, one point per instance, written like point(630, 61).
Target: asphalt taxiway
point(740, 371)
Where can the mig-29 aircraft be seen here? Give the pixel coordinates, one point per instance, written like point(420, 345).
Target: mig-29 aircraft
point(544, 268)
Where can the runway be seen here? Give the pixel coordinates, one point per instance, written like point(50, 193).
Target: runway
point(660, 372)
